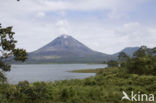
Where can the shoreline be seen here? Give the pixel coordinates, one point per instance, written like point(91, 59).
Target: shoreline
point(96, 70)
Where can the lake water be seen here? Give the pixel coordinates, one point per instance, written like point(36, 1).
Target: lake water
point(49, 72)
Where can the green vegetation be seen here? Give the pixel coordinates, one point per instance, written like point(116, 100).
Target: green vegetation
point(8, 51)
point(112, 63)
point(105, 87)
point(143, 61)
point(88, 70)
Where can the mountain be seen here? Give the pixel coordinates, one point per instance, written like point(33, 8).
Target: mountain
point(66, 49)
point(129, 51)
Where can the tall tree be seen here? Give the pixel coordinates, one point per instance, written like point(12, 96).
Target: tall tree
point(143, 61)
point(8, 51)
point(123, 57)
point(141, 52)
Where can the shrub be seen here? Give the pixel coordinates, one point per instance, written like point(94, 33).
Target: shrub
point(141, 65)
point(112, 63)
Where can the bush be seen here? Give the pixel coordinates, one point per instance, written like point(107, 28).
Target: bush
point(141, 65)
point(112, 63)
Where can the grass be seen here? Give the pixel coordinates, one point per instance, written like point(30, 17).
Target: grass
point(87, 70)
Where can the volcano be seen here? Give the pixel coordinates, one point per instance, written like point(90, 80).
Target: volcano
point(66, 49)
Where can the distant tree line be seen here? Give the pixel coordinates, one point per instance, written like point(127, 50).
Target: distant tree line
point(143, 61)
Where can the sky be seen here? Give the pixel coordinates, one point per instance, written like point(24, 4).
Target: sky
point(107, 26)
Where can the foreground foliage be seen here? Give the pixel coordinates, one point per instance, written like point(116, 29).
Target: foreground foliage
point(105, 87)
point(8, 51)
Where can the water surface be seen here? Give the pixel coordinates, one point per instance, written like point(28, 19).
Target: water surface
point(49, 72)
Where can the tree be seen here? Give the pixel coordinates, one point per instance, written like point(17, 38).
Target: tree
point(112, 63)
point(123, 56)
point(141, 65)
point(143, 61)
point(123, 59)
point(154, 50)
point(141, 52)
point(8, 51)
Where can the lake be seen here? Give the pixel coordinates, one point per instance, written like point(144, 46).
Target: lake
point(48, 72)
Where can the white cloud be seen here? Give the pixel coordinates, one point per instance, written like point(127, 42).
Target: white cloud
point(112, 39)
point(78, 5)
point(35, 27)
point(40, 14)
point(63, 26)
point(136, 34)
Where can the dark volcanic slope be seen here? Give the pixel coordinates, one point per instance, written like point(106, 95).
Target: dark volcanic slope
point(66, 49)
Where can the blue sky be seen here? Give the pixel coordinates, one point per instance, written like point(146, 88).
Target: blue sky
point(103, 25)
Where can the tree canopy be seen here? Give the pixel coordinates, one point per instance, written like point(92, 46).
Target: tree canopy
point(142, 62)
point(8, 51)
